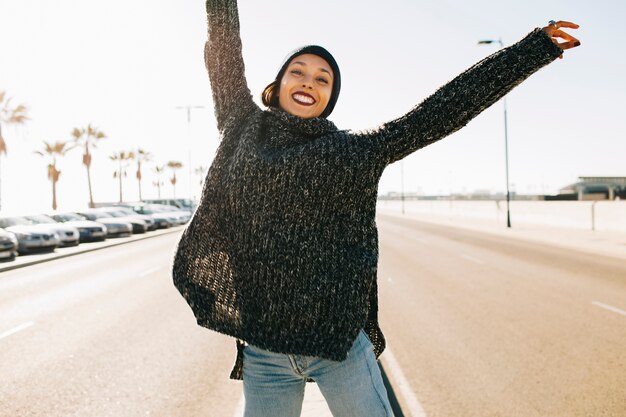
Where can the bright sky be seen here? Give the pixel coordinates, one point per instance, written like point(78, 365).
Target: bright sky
point(126, 65)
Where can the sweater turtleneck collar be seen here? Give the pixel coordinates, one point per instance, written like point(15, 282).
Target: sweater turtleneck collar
point(298, 126)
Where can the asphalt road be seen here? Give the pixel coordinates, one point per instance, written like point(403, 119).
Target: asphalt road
point(485, 326)
point(106, 334)
point(480, 326)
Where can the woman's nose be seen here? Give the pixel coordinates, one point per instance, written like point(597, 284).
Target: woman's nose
point(307, 82)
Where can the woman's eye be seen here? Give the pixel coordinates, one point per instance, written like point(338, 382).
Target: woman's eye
point(322, 80)
point(296, 72)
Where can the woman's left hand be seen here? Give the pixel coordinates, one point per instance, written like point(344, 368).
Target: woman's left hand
point(554, 31)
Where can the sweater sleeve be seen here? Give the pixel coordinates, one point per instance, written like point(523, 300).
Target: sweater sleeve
point(224, 61)
point(460, 100)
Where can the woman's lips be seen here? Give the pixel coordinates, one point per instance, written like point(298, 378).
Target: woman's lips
point(303, 99)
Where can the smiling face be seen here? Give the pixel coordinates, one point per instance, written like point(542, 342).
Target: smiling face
point(306, 86)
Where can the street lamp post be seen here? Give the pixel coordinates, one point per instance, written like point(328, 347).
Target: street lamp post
point(188, 108)
point(506, 143)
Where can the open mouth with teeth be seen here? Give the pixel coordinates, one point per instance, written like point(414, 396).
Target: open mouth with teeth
point(303, 99)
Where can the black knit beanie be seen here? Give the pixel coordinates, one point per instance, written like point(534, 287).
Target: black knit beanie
point(326, 56)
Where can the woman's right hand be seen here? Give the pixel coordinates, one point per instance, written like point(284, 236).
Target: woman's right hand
point(553, 30)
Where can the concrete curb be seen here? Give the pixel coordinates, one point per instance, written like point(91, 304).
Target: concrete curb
point(118, 241)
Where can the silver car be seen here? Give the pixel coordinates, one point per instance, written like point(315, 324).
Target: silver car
point(162, 220)
point(89, 231)
point(121, 212)
point(8, 246)
point(115, 227)
point(137, 225)
point(68, 234)
point(179, 216)
point(30, 237)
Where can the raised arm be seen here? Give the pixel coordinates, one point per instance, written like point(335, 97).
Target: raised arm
point(462, 99)
point(224, 62)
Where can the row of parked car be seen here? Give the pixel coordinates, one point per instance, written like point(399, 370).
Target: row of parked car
point(23, 234)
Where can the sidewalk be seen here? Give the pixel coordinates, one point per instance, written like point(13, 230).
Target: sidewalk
point(36, 258)
point(598, 242)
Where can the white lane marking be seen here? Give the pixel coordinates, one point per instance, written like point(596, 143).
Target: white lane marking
point(391, 365)
point(472, 259)
point(608, 307)
point(17, 329)
point(239, 409)
point(149, 271)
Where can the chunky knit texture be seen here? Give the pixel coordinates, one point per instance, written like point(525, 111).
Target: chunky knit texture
point(282, 251)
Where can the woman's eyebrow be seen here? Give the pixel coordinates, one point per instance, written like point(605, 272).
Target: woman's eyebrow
point(321, 69)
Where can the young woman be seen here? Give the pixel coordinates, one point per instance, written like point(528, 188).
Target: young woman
point(282, 251)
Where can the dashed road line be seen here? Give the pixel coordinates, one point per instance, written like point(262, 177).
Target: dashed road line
point(472, 259)
point(16, 329)
point(414, 408)
point(608, 307)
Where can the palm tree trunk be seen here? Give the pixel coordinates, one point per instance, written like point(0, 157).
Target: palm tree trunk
point(87, 163)
point(120, 176)
point(54, 195)
point(139, 178)
point(91, 204)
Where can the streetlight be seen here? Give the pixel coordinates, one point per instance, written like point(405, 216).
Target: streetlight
point(506, 142)
point(188, 108)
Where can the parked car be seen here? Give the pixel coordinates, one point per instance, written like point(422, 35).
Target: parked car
point(136, 225)
point(30, 237)
point(160, 222)
point(88, 230)
point(185, 204)
point(68, 234)
point(120, 211)
point(8, 246)
point(163, 218)
point(115, 227)
point(179, 216)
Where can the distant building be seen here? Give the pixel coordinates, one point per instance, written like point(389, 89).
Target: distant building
point(587, 188)
point(593, 188)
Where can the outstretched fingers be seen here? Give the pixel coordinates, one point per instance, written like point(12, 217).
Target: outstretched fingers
point(554, 31)
point(564, 24)
point(571, 42)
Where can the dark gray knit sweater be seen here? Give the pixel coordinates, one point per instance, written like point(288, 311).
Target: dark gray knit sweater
point(282, 251)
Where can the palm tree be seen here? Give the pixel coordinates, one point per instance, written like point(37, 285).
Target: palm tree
point(200, 172)
point(88, 137)
point(159, 169)
point(53, 151)
point(122, 157)
point(174, 165)
point(9, 114)
point(141, 156)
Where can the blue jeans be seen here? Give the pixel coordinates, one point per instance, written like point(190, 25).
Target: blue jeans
point(273, 383)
